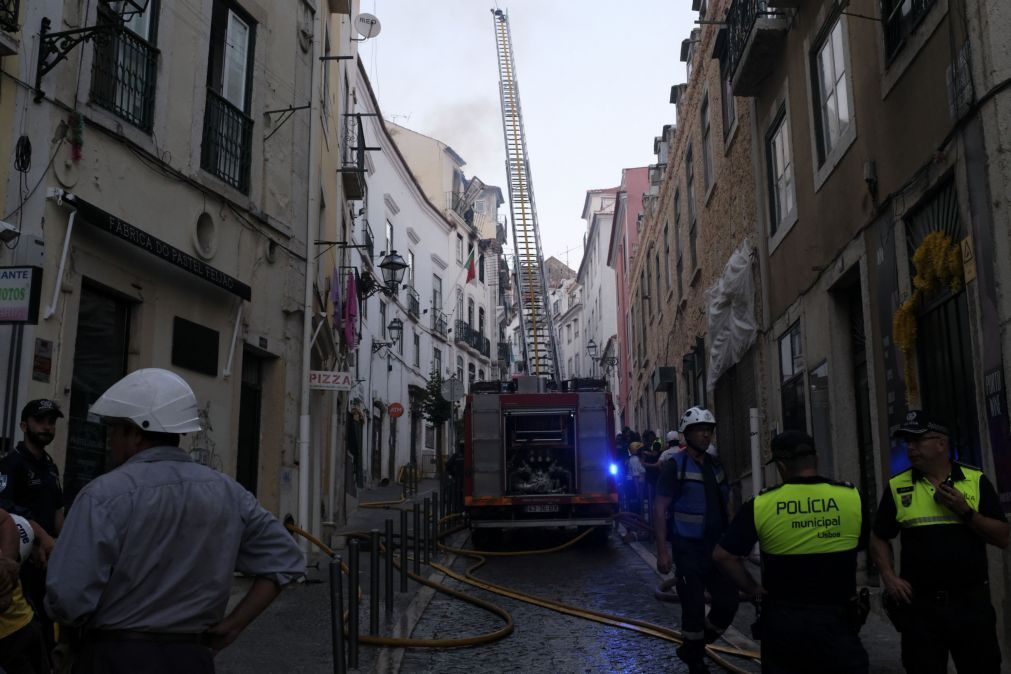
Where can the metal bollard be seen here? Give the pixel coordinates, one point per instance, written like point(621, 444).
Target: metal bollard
point(403, 551)
point(353, 603)
point(374, 582)
point(426, 531)
point(437, 517)
point(388, 562)
point(417, 539)
point(337, 615)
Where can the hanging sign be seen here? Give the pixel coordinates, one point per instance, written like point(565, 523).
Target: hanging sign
point(396, 410)
point(20, 291)
point(330, 381)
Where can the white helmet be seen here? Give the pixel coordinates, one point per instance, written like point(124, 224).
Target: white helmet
point(672, 436)
point(155, 400)
point(26, 536)
point(696, 415)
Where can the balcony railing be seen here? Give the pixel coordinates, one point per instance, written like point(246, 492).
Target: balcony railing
point(755, 34)
point(440, 324)
point(9, 15)
point(228, 142)
point(353, 157)
point(123, 76)
point(370, 241)
point(505, 353)
point(465, 334)
point(413, 302)
point(461, 332)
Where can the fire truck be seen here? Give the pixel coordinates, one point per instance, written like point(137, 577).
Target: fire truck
point(536, 457)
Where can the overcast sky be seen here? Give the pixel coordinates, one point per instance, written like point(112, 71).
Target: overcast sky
point(594, 79)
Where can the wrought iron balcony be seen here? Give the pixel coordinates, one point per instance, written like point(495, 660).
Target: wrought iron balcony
point(756, 32)
point(9, 15)
point(461, 332)
point(484, 345)
point(505, 353)
point(370, 241)
point(123, 77)
point(456, 203)
point(228, 142)
point(413, 302)
point(440, 324)
point(353, 157)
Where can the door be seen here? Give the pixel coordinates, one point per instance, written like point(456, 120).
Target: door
point(377, 447)
point(247, 465)
point(100, 352)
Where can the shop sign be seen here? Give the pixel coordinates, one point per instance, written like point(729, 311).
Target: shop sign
point(20, 290)
point(396, 410)
point(326, 380)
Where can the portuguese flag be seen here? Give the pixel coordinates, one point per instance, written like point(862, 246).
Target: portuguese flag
point(471, 267)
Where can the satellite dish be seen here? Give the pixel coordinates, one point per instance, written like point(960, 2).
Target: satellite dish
point(452, 389)
point(367, 25)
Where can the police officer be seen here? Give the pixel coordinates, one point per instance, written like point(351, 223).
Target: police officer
point(808, 529)
point(945, 513)
point(30, 487)
point(694, 486)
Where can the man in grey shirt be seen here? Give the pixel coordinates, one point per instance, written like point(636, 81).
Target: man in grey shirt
point(146, 557)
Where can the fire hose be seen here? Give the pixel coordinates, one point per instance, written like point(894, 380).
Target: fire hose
point(714, 652)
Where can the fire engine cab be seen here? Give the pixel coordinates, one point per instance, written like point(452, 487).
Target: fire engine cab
point(535, 457)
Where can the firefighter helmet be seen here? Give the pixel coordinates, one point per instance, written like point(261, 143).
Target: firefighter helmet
point(155, 400)
point(696, 415)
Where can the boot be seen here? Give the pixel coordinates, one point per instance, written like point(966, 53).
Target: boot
point(692, 653)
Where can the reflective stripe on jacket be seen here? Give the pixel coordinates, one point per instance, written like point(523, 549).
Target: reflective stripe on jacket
point(688, 509)
point(914, 499)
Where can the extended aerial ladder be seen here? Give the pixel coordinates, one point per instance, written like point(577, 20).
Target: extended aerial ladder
point(532, 296)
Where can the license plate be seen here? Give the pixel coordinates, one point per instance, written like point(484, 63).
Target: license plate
point(542, 508)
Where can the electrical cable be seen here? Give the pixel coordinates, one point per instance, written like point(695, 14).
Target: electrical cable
point(38, 182)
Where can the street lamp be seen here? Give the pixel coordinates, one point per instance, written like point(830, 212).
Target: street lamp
point(395, 328)
point(54, 47)
point(591, 347)
point(393, 267)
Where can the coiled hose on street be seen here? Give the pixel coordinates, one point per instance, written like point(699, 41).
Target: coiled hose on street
point(714, 652)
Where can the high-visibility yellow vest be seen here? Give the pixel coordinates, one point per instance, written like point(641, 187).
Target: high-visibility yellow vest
point(808, 518)
point(914, 500)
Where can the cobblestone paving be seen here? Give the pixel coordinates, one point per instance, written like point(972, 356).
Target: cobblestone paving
point(612, 579)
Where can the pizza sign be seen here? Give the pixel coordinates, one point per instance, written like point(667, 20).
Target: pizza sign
point(330, 381)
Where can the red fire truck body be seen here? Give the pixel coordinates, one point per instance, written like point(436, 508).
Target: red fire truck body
point(541, 458)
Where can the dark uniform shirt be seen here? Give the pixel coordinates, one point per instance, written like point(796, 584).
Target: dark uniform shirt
point(30, 487)
point(941, 556)
point(823, 578)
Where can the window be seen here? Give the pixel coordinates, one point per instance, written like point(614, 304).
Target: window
point(410, 268)
point(791, 370)
point(400, 344)
point(900, 18)
point(382, 320)
point(568, 333)
point(575, 324)
point(480, 375)
point(555, 308)
point(125, 68)
point(690, 197)
point(644, 284)
point(471, 373)
point(228, 128)
point(677, 243)
point(480, 268)
point(459, 249)
point(780, 160)
point(417, 350)
point(571, 372)
point(833, 113)
point(707, 146)
point(459, 368)
point(436, 293)
point(666, 254)
point(729, 107)
point(470, 312)
point(389, 236)
point(480, 321)
point(459, 304)
point(656, 277)
point(437, 360)
point(575, 362)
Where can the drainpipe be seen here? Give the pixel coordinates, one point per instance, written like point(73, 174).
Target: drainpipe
point(312, 233)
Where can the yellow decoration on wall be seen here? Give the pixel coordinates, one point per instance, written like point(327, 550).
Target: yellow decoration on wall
point(938, 262)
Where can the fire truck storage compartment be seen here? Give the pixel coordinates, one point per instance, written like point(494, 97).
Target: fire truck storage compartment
point(540, 452)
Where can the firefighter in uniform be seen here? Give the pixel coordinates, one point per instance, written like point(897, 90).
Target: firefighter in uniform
point(694, 486)
point(946, 513)
point(808, 529)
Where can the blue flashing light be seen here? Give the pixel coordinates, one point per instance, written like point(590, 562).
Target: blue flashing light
point(614, 469)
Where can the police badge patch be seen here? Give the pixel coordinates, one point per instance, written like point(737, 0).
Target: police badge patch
point(907, 500)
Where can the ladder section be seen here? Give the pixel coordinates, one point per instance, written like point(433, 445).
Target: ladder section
point(532, 296)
